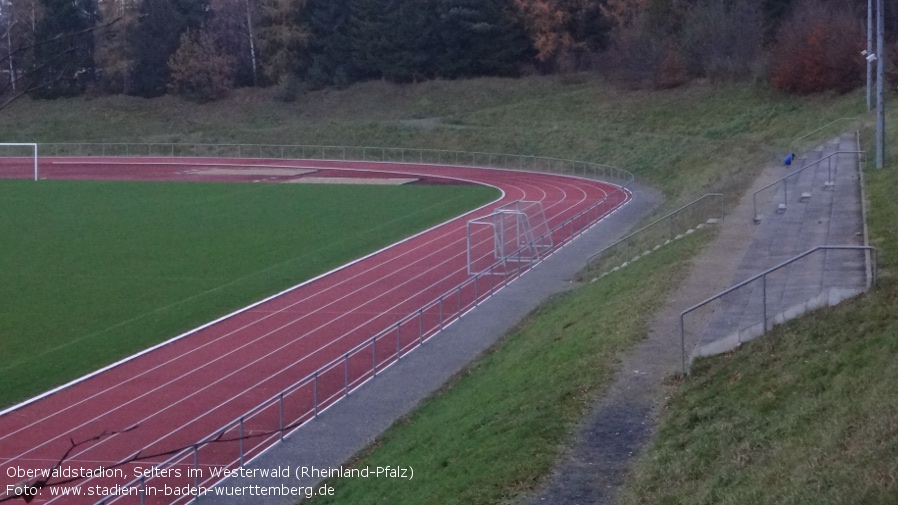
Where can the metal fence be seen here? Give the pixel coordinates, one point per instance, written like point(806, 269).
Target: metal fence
point(270, 421)
point(347, 153)
point(659, 232)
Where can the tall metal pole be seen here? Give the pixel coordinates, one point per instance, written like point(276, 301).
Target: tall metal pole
point(869, 52)
point(880, 69)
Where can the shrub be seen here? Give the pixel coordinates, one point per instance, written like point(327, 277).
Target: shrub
point(817, 49)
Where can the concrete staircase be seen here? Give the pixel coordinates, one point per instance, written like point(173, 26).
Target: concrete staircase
point(813, 211)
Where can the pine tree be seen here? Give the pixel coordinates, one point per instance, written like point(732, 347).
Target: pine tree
point(479, 37)
point(64, 59)
point(156, 37)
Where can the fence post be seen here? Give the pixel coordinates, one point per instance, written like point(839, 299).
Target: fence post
point(241, 441)
point(143, 490)
point(764, 300)
point(420, 326)
point(281, 415)
point(196, 465)
point(374, 355)
point(398, 341)
point(315, 390)
point(346, 373)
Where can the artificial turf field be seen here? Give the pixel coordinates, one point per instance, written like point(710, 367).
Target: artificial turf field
point(91, 272)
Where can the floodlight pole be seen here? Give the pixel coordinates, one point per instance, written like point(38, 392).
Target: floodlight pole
point(869, 52)
point(880, 70)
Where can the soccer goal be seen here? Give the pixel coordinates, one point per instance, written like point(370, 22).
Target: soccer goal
point(18, 161)
point(515, 233)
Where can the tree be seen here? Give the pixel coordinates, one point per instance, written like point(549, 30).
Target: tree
point(64, 57)
point(283, 38)
point(479, 37)
point(553, 27)
point(156, 36)
point(233, 27)
point(817, 49)
point(200, 69)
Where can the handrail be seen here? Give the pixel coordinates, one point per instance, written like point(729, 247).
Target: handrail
point(379, 361)
point(870, 282)
point(821, 128)
point(754, 199)
point(344, 153)
point(668, 216)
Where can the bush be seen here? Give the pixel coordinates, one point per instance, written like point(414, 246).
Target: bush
point(817, 49)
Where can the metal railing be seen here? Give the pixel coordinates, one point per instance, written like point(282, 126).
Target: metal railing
point(870, 281)
point(783, 179)
point(827, 125)
point(663, 229)
point(347, 153)
point(307, 398)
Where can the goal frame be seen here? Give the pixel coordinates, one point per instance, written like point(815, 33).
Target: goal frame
point(21, 144)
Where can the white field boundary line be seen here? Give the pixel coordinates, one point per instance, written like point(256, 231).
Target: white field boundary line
point(251, 306)
point(445, 277)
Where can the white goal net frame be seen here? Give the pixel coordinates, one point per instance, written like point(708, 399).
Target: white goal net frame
point(517, 232)
point(33, 155)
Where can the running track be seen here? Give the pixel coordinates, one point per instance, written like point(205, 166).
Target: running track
point(186, 389)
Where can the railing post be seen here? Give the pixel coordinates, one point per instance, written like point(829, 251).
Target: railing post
point(441, 313)
point(281, 415)
point(683, 340)
point(315, 391)
point(196, 465)
point(764, 299)
point(374, 355)
point(346, 374)
point(398, 341)
point(241, 441)
point(420, 326)
point(143, 490)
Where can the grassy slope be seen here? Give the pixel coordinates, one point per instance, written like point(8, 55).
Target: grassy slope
point(100, 270)
point(808, 415)
point(687, 140)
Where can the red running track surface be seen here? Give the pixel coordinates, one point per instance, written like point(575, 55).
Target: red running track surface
point(189, 387)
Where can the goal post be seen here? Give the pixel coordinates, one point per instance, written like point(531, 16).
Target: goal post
point(514, 233)
point(13, 153)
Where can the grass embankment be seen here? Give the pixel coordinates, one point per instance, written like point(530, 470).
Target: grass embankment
point(94, 271)
point(686, 141)
point(806, 415)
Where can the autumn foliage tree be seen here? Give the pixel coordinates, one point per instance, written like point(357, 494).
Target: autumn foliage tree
point(817, 50)
point(551, 26)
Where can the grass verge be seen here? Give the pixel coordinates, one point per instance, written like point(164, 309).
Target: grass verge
point(498, 427)
point(806, 415)
point(94, 271)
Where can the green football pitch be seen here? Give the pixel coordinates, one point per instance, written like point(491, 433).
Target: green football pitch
point(95, 271)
